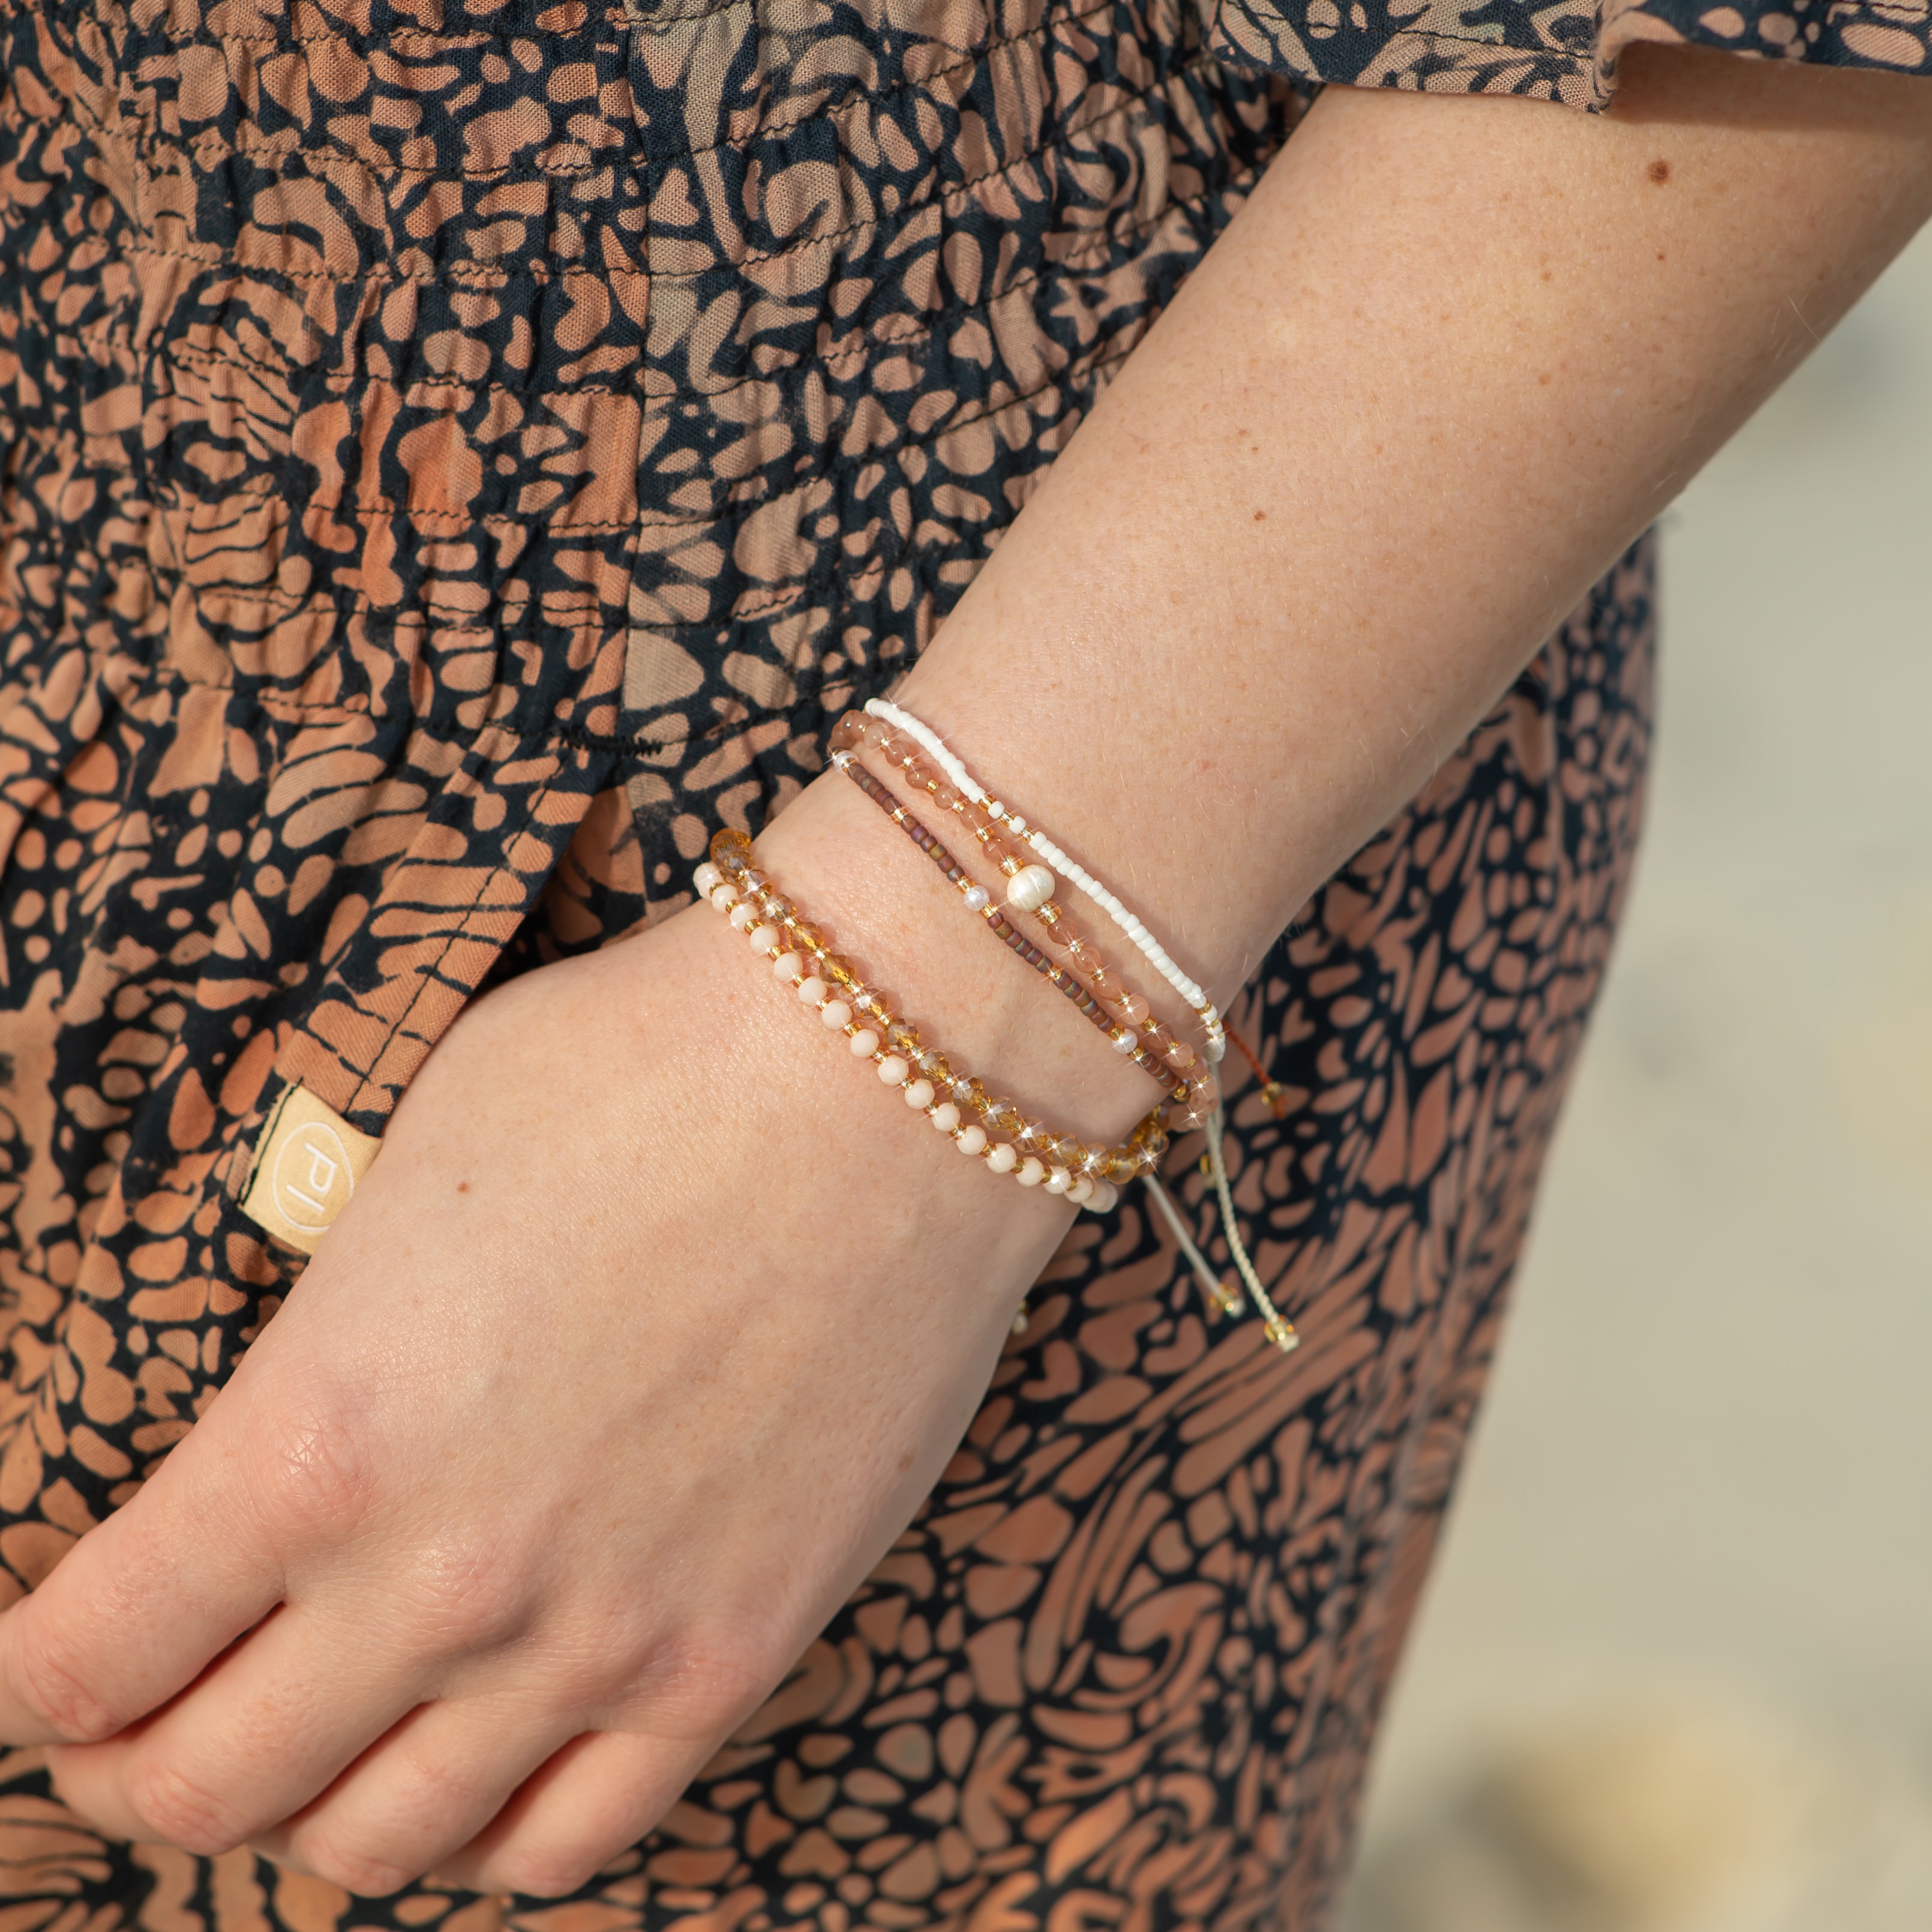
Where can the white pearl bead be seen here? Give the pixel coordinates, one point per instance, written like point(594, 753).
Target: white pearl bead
point(971, 1139)
point(1123, 1041)
point(977, 898)
point(836, 1013)
point(764, 939)
point(1059, 1181)
point(811, 989)
point(707, 878)
point(1030, 888)
point(725, 897)
point(1002, 1159)
point(892, 1070)
point(744, 915)
point(1102, 1198)
point(787, 967)
point(1031, 1174)
point(864, 1043)
point(1214, 1049)
point(1081, 1193)
point(919, 1095)
point(945, 1116)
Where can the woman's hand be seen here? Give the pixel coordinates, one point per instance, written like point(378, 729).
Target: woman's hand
point(646, 1333)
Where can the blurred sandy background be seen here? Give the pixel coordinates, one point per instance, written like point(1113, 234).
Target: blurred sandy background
point(1674, 1673)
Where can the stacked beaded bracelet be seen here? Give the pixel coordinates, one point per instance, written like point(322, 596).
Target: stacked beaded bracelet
point(1122, 1012)
point(1182, 1093)
point(1151, 949)
point(1008, 1140)
point(1030, 889)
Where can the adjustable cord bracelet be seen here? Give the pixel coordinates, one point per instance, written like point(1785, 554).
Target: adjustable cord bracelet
point(1034, 894)
point(1155, 953)
point(1032, 1153)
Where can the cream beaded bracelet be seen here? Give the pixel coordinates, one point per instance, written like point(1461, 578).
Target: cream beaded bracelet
point(1033, 1154)
point(1151, 949)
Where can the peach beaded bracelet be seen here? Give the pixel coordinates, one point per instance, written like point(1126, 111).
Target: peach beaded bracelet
point(1151, 949)
point(1032, 1152)
point(1181, 1093)
point(1029, 890)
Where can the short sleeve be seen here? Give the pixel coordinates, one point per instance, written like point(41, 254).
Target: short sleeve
point(1565, 50)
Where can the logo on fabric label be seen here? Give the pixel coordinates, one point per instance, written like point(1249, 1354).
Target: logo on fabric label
point(306, 1168)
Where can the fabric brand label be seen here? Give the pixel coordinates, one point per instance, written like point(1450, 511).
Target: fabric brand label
point(306, 1164)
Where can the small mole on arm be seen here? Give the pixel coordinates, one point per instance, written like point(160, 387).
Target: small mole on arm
point(1659, 171)
point(1260, 516)
point(463, 1187)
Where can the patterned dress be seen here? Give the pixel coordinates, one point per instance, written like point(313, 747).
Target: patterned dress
point(459, 453)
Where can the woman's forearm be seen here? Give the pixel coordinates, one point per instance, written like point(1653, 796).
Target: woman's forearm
point(1454, 355)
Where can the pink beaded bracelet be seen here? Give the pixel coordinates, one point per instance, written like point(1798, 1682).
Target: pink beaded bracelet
point(1029, 890)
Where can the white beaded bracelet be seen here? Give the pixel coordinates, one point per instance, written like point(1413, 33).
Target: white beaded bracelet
point(1151, 948)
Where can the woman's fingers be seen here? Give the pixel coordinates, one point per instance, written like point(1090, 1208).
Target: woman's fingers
point(426, 1790)
point(600, 1793)
point(136, 1610)
point(270, 1726)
